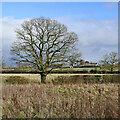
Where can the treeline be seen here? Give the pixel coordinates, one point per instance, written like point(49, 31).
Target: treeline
point(61, 71)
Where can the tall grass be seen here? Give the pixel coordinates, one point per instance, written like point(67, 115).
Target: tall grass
point(60, 101)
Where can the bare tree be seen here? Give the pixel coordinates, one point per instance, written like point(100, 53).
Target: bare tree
point(3, 65)
point(43, 42)
point(74, 56)
point(109, 60)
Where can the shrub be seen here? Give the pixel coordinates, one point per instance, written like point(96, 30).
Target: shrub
point(103, 72)
point(84, 71)
point(16, 80)
point(93, 71)
point(112, 72)
point(68, 79)
point(111, 79)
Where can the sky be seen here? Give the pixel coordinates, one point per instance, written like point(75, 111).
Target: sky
point(95, 23)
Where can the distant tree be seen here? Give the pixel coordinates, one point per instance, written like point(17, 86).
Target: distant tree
point(109, 61)
point(82, 62)
point(0, 64)
point(42, 43)
point(3, 65)
point(86, 62)
point(11, 66)
point(21, 65)
point(18, 65)
point(73, 57)
point(26, 65)
point(119, 65)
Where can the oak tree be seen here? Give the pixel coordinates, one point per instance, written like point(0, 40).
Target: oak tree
point(42, 43)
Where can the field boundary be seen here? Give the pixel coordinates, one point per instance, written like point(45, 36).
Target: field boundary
point(2, 74)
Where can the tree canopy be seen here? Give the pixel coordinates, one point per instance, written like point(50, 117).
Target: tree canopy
point(42, 43)
point(109, 60)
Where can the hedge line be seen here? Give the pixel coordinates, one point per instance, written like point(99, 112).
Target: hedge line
point(63, 71)
point(72, 79)
point(99, 79)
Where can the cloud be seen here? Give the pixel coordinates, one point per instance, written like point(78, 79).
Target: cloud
point(9, 25)
point(96, 37)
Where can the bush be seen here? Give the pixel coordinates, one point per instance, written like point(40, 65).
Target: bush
point(103, 72)
point(68, 79)
point(70, 71)
point(93, 71)
point(84, 71)
point(16, 80)
point(111, 79)
point(113, 72)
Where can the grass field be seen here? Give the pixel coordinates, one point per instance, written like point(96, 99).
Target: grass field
point(79, 69)
point(54, 70)
point(63, 96)
point(60, 101)
point(92, 68)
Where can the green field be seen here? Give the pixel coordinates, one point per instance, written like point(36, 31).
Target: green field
point(56, 69)
point(79, 69)
point(67, 70)
point(62, 70)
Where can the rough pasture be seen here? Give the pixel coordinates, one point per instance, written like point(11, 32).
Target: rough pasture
point(60, 101)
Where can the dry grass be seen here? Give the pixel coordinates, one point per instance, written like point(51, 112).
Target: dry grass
point(30, 77)
point(60, 101)
point(35, 78)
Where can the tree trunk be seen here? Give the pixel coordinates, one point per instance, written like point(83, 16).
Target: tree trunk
point(43, 78)
point(111, 69)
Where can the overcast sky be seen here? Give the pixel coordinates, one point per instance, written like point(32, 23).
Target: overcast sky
point(96, 24)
